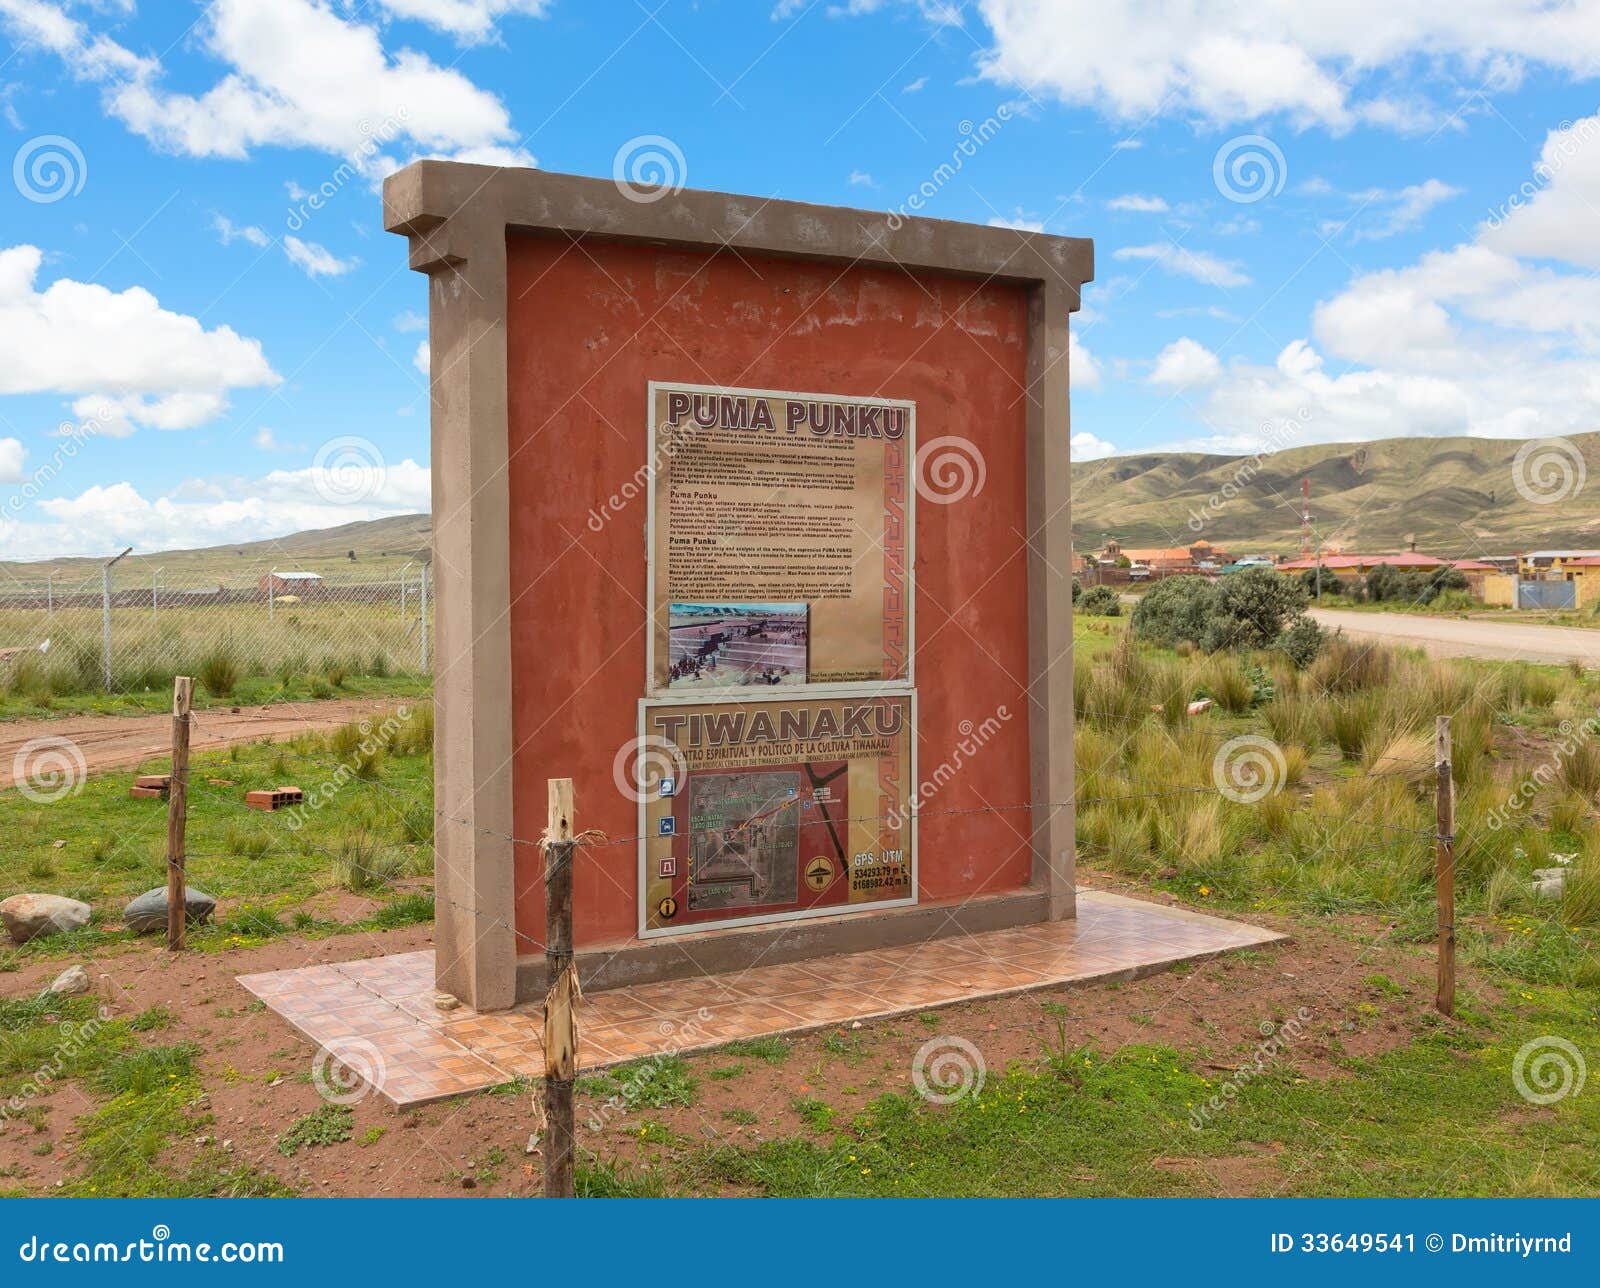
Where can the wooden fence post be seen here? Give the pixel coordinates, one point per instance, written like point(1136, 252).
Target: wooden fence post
point(1445, 865)
point(178, 813)
point(561, 1002)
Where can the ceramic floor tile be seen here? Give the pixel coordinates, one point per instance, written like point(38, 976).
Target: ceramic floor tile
point(425, 1054)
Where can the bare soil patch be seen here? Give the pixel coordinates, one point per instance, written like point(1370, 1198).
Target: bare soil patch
point(109, 741)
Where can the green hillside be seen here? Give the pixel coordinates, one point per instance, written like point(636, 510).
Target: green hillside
point(1456, 496)
point(380, 547)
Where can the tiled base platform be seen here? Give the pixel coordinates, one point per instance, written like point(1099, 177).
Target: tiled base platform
point(378, 1016)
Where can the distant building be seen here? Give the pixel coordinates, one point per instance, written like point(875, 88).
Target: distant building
point(1550, 564)
point(1202, 556)
point(289, 583)
point(1351, 566)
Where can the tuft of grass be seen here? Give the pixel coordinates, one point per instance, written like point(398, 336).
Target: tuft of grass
point(772, 1050)
point(324, 1125)
point(219, 671)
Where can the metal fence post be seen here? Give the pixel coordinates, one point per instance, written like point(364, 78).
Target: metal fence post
point(105, 619)
point(424, 593)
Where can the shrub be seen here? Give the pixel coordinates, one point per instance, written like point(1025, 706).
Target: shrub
point(1100, 601)
point(1247, 609)
point(1301, 642)
point(219, 672)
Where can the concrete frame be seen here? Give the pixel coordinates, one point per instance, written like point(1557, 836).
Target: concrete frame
point(456, 218)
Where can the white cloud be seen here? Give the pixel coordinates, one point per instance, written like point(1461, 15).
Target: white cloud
point(315, 260)
point(1552, 215)
point(1198, 264)
point(231, 232)
point(206, 511)
point(298, 75)
point(914, 86)
point(421, 358)
point(1229, 64)
point(410, 320)
point(469, 21)
point(1383, 212)
point(118, 353)
point(861, 179)
point(1086, 447)
point(1185, 363)
point(1020, 223)
point(1135, 202)
point(266, 440)
point(1472, 340)
point(12, 454)
point(1085, 370)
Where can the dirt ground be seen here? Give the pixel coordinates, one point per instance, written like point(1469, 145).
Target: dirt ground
point(1452, 637)
point(256, 1068)
point(109, 741)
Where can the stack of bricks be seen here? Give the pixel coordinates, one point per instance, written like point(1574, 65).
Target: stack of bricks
point(151, 786)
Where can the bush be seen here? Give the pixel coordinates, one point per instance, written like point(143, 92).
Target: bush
point(1100, 601)
point(1301, 642)
point(1077, 589)
point(1387, 584)
point(219, 672)
point(1253, 608)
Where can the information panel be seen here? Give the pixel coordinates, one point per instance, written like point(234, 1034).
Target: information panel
point(775, 809)
point(780, 530)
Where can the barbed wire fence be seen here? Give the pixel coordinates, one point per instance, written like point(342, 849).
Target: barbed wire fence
point(128, 623)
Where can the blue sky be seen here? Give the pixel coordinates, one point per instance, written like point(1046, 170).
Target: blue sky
point(1314, 222)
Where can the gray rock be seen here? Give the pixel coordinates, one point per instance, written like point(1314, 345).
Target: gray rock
point(1549, 887)
point(71, 982)
point(148, 913)
point(29, 916)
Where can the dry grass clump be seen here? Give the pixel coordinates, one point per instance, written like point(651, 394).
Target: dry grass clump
point(1349, 666)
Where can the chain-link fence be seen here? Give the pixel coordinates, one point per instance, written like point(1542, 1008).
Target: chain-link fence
point(126, 624)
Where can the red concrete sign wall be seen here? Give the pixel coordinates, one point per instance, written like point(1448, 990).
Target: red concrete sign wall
point(589, 324)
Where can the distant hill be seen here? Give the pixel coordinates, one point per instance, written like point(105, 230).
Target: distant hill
point(381, 547)
point(1457, 496)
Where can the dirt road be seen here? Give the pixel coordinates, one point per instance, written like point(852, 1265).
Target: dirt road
point(1452, 637)
point(108, 741)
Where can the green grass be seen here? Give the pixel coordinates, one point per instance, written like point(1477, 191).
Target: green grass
point(769, 1050)
point(1440, 1116)
point(250, 691)
point(324, 1125)
point(261, 867)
